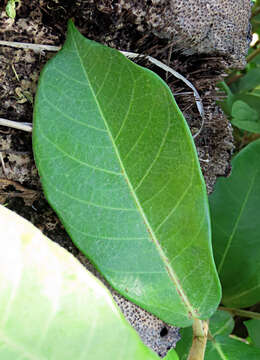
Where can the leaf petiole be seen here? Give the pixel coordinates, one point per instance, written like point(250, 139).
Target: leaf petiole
point(199, 341)
point(240, 312)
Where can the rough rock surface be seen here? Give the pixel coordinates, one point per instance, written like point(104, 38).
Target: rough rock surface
point(218, 27)
point(175, 32)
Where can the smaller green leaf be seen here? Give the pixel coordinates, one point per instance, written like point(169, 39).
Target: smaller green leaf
point(226, 348)
point(256, 91)
point(253, 327)
point(249, 81)
point(10, 8)
point(252, 99)
point(245, 117)
point(221, 323)
point(171, 355)
point(235, 215)
point(184, 344)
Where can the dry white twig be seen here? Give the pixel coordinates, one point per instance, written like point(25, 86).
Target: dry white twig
point(3, 164)
point(16, 125)
point(35, 47)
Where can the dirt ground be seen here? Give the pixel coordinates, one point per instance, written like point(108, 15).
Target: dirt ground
point(44, 22)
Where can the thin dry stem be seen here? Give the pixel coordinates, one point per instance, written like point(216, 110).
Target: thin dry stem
point(16, 125)
point(2, 163)
point(253, 54)
point(35, 47)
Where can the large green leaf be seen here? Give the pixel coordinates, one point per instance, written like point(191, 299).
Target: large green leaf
point(235, 214)
point(51, 308)
point(248, 81)
point(225, 348)
point(245, 117)
point(118, 164)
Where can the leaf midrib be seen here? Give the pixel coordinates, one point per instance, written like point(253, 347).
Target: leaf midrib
point(162, 255)
point(219, 350)
point(223, 327)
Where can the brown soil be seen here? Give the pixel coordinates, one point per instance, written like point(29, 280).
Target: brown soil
point(44, 22)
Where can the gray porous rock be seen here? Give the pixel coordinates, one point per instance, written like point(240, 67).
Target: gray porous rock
point(219, 27)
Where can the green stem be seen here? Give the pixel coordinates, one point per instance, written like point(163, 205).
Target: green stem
point(249, 58)
point(239, 312)
point(253, 54)
point(226, 88)
point(234, 78)
point(255, 13)
point(199, 341)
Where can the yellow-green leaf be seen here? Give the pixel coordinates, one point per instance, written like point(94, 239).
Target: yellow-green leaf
point(51, 307)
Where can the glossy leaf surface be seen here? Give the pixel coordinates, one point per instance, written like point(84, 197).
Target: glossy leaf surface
point(51, 307)
point(235, 214)
point(118, 165)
